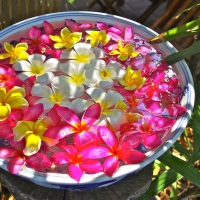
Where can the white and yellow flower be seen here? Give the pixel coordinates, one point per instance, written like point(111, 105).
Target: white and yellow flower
point(37, 66)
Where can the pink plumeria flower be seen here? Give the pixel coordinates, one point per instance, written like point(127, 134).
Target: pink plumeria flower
point(83, 129)
point(146, 131)
point(17, 160)
point(77, 164)
point(75, 27)
point(102, 75)
point(108, 101)
point(113, 152)
point(37, 66)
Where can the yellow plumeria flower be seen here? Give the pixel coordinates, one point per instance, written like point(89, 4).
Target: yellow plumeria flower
point(67, 39)
point(132, 79)
point(97, 37)
point(13, 99)
point(33, 132)
point(15, 53)
point(124, 52)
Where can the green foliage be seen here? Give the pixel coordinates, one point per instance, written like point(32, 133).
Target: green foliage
point(70, 1)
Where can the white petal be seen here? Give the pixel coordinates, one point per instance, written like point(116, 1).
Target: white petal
point(67, 104)
point(115, 117)
point(22, 66)
point(51, 65)
point(112, 98)
point(45, 78)
point(41, 90)
point(92, 74)
point(74, 91)
point(82, 48)
point(24, 75)
point(97, 94)
point(98, 64)
point(120, 73)
point(99, 53)
point(105, 83)
point(61, 91)
point(64, 54)
point(114, 64)
point(47, 103)
point(101, 121)
point(80, 105)
point(69, 68)
point(59, 81)
point(36, 59)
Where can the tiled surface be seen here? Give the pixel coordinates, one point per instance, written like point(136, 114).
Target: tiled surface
point(131, 9)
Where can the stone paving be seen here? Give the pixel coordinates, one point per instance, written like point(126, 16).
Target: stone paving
point(130, 9)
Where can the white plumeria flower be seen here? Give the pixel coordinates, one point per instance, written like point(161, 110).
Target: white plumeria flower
point(37, 66)
point(82, 53)
point(108, 100)
point(73, 81)
point(102, 75)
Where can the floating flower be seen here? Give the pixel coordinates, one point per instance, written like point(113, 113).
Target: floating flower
point(102, 75)
point(15, 53)
point(77, 164)
point(108, 100)
point(37, 66)
point(113, 153)
point(12, 99)
point(32, 129)
point(97, 37)
point(132, 79)
point(67, 39)
point(124, 52)
point(83, 129)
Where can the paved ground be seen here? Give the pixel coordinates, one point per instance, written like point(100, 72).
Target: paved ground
point(130, 9)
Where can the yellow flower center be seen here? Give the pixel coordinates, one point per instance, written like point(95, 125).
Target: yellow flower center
point(82, 58)
point(105, 73)
point(77, 79)
point(37, 70)
point(56, 97)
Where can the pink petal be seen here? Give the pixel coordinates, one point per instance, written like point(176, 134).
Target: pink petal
point(91, 114)
point(131, 140)
point(68, 115)
point(58, 132)
point(75, 172)
point(82, 139)
point(102, 26)
point(45, 39)
point(28, 84)
point(152, 141)
point(70, 149)
point(6, 152)
point(108, 137)
point(131, 156)
point(48, 28)
point(35, 33)
point(153, 106)
point(38, 161)
point(60, 158)
point(163, 122)
point(111, 164)
point(123, 92)
point(33, 113)
point(128, 35)
point(85, 26)
point(115, 30)
point(17, 115)
point(91, 166)
point(18, 145)
point(72, 26)
point(175, 110)
point(143, 49)
point(158, 76)
point(115, 37)
point(43, 48)
point(54, 116)
point(95, 152)
point(15, 165)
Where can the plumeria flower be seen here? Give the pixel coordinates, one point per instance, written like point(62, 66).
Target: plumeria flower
point(11, 100)
point(108, 101)
point(37, 66)
point(97, 37)
point(124, 51)
point(146, 131)
point(17, 160)
point(32, 128)
point(15, 53)
point(83, 129)
point(73, 81)
point(82, 53)
point(50, 96)
point(8, 77)
point(77, 163)
point(76, 27)
point(67, 39)
point(113, 152)
point(102, 75)
point(132, 79)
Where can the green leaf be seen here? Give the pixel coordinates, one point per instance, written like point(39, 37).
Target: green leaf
point(174, 192)
point(181, 149)
point(196, 146)
point(160, 183)
point(175, 57)
point(184, 168)
point(70, 1)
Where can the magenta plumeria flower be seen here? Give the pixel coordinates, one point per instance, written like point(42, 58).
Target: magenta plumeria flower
point(113, 152)
point(83, 129)
point(77, 163)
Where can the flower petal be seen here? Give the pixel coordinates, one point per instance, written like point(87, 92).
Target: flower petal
point(22, 66)
point(33, 113)
point(111, 164)
point(36, 59)
point(45, 78)
point(51, 64)
point(41, 90)
point(15, 165)
point(80, 105)
point(60, 158)
point(152, 141)
point(6, 152)
point(75, 172)
point(91, 166)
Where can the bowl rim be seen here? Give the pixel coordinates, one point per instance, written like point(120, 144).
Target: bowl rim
point(53, 177)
